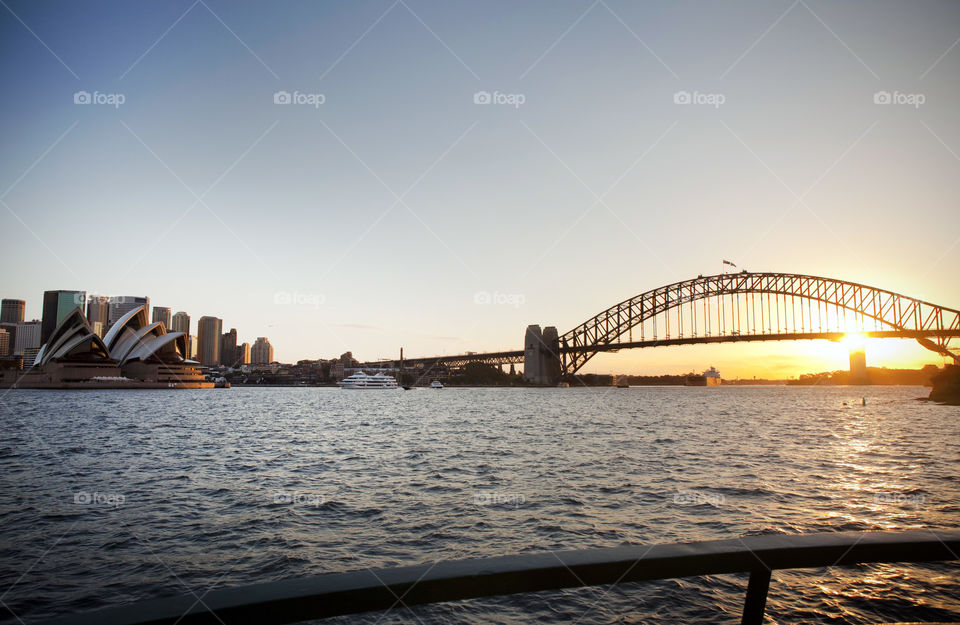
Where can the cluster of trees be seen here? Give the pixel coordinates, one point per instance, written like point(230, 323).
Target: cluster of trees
point(875, 375)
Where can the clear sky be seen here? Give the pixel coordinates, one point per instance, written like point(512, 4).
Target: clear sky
point(372, 215)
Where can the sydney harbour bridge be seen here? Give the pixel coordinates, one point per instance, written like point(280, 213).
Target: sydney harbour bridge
point(725, 308)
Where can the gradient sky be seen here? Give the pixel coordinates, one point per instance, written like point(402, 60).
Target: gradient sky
point(385, 210)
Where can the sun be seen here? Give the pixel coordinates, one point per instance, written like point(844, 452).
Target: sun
point(854, 341)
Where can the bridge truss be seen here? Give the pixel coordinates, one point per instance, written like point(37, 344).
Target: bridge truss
point(736, 307)
point(758, 306)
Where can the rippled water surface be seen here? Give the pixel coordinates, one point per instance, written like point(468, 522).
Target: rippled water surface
point(117, 496)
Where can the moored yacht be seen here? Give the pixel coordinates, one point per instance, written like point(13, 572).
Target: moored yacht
point(375, 381)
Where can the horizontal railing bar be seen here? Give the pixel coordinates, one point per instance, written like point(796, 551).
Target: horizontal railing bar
point(322, 596)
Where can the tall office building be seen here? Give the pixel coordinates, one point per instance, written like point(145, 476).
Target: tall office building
point(56, 306)
point(208, 340)
point(98, 313)
point(161, 313)
point(122, 304)
point(27, 337)
point(191, 347)
point(4, 343)
point(262, 351)
point(180, 323)
point(11, 310)
point(243, 354)
point(228, 348)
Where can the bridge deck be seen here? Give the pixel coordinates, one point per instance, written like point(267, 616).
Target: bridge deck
point(516, 356)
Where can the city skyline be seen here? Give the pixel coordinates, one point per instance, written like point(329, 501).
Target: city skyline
point(446, 209)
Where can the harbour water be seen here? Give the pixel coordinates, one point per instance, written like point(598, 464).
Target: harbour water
point(118, 496)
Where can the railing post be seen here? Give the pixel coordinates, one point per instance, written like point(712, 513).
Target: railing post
point(756, 600)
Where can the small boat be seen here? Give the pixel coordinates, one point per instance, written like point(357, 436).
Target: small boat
point(361, 380)
point(436, 384)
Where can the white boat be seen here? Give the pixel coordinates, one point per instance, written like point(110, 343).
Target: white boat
point(436, 384)
point(375, 381)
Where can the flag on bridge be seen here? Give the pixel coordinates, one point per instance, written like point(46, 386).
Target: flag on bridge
point(727, 262)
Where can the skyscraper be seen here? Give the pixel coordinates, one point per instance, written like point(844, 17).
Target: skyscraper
point(262, 351)
point(122, 304)
point(243, 354)
point(228, 348)
point(4, 343)
point(181, 323)
point(27, 337)
point(208, 340)
point(11, 310)
point(56, 306)
point(161, 313)
point(97, 313)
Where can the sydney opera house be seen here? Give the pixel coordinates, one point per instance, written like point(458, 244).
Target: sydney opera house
point(133, 354)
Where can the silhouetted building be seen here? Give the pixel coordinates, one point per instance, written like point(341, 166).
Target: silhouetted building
point(208, 340)
point(162, 314)
point(262, 351)
point(56, 306)
point(98, 309)
point(228, 348)
point(11, 310)
point(4, 343)
point(122, 304)
point(858, 367)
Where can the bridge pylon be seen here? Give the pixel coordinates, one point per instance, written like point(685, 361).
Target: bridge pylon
point(541, 355)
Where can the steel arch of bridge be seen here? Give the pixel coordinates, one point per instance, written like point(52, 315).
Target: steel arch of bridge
point(894, 315)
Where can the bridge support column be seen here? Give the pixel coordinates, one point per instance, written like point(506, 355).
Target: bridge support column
point(532, 361)
point(541, 355)
point(551, 355)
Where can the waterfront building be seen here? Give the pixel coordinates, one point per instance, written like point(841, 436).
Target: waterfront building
point(98, 308)
point(228, 348)
point(192, 346)
point(208, 340)
point(133, 354)
point(11, 310)
point(120, 305)
point(27, 337)
point(181, 323)
point(262, 351)
point(162, 314)
point(4, 343)
point(243, 354)
point(56, 306)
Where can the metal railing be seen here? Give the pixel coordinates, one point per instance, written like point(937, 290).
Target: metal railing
point(322, 596)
